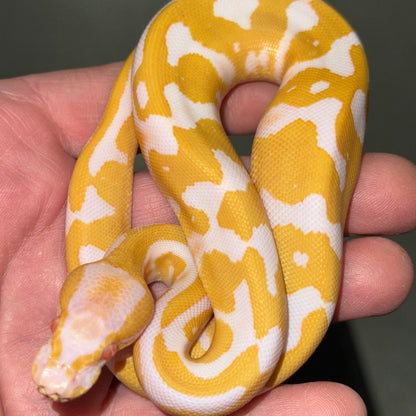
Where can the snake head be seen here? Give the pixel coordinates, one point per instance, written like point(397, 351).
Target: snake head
point(70, 363)
point(103, 309)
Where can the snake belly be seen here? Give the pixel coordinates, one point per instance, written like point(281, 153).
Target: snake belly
point(253, 268)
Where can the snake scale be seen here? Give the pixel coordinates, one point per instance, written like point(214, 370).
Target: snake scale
point(253, 269)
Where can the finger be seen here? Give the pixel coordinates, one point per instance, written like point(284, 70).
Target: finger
point(127, 403)
point(384, 199)
point(312, 399)
point(244, 106)
point(377, 277)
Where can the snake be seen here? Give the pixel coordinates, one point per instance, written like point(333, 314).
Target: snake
point(252, 268)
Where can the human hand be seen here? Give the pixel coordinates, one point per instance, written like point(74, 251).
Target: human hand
point(45, 121)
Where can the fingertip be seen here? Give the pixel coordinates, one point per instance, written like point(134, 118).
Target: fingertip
point(334, 399)
point(340, 400)
point(378, 276)
point(384, 199)
point(244, 106)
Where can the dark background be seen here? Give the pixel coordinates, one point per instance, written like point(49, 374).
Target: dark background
point(377, 355)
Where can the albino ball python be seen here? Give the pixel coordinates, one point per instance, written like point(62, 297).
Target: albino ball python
point(254, 267)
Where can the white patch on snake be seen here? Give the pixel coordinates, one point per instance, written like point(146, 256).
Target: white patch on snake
point(237, 11)
point(300, 259)
point(301, 17)
point(208, 197)
point(180, 43)
point(309, 216)
point(358, 105)
point(263, 241)
point(94, 208)
point(300, 305)
point(185, 114)
point(237, 47)
point(255, 60)
point(160, 127)
point(319, 87)
point(338, 60)
point(142, 95)
point(323, 114)
point(107, 149)
point(89, 254)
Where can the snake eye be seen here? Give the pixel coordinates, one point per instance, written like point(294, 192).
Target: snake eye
point(54, 323)
point(109, 351)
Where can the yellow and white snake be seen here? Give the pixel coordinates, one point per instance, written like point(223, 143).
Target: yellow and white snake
point(253, 270)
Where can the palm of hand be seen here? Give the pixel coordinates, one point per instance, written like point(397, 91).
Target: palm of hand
point(44, 121)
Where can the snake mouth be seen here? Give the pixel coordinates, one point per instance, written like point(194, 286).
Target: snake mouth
point(53, 396)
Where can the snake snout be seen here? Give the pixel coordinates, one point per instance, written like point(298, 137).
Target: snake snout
point(61, 387)
point(55, 382)
point(54, 396)
point(61, 383)
point(59, 380)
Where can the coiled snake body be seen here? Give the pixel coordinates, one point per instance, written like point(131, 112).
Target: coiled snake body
point(253, 269)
